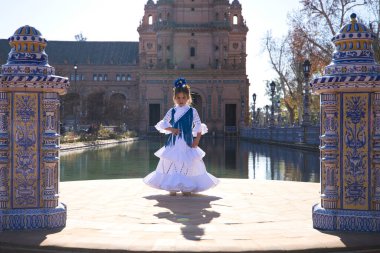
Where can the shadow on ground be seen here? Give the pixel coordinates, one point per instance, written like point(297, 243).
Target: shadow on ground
point(354, 241)
point(191, 212)
point(15, 241)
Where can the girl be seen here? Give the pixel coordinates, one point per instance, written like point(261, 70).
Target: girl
point(181, 168)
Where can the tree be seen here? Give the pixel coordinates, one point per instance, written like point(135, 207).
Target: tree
point(79, 37)
point(309, 37)
point(373, 8)
point(284, 63)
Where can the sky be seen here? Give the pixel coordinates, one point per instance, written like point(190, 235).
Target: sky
point(117, 20)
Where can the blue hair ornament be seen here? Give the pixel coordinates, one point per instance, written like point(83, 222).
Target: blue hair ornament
point(180, 82)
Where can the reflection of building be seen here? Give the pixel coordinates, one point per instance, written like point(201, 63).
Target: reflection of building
point(130, 82)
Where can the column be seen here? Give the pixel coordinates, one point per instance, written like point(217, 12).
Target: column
point(50, 146)
point(329, 151)
point(376, 154)
point(4, 151)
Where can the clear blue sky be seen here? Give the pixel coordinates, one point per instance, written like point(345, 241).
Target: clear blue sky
point(117, 20)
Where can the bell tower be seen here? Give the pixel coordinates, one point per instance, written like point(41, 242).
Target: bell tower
point(237, 37)
point(147, 41)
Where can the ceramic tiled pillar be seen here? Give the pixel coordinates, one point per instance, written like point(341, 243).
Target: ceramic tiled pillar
point(350, 134)
point(29, 136)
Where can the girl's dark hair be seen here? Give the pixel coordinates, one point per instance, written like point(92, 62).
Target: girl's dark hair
point(185, 90)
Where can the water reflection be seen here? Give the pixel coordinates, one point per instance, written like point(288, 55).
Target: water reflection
point(225, 158)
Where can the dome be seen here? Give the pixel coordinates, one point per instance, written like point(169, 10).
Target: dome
point(235, 4)
point(353, 63)
point(27, 66)
point(353, 36)
point(27, 39)
point(27, 30)
point(27, 55)
point(353, 51)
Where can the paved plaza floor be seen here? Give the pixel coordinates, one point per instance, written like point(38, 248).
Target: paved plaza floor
point(238, 215)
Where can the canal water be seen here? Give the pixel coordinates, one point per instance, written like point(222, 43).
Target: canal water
point(225, 158)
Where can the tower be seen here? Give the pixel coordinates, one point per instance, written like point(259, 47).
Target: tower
point(203, 41)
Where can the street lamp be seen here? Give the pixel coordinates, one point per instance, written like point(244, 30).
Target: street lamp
point(266, 115)
point(75, 90)
point(257, 118)
point(279, 113)
point(306, 102)
point(253, 109)
point(272, 89)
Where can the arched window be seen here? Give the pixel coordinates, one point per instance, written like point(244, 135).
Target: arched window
point(95, 77)
point(117, 77)
point(236, 20)
point(100, 77)
point(217, 16)
point(192, 51)
point(105, 77)
point(129, 78)
point(168, 16)
point(123, 77)
point(150, 20)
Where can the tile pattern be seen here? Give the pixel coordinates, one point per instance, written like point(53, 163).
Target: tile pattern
point(350, 134)
point(29, 139)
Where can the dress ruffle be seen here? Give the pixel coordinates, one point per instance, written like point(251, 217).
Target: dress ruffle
point(202, 128)
point(171, 176)
point(162, 125)
point(181, 167)
point(181, 152)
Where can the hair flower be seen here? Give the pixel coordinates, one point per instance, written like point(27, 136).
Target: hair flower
point(180, 82)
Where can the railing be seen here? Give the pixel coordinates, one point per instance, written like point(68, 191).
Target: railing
point(292, 135)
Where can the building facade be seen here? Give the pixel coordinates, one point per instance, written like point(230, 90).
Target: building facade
point(130, 83)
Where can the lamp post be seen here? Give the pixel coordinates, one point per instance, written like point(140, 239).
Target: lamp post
point(253, 109)
point(306, 101)
point(279, 113)
point(257, 118)
point(75, 90)
point(272, 89)
point(266, 115)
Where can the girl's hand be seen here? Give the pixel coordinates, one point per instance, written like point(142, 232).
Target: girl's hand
point(175, 131)
point(195, 143)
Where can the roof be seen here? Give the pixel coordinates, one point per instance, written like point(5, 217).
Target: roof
point(84, 52)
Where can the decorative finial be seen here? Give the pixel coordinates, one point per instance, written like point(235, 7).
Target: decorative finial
point(353, 17)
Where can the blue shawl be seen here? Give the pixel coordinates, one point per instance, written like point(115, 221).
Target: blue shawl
point(185, 125)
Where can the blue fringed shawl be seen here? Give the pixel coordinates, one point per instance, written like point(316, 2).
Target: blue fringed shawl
point(185, 125)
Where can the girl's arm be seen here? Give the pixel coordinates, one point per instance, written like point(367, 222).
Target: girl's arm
point(173, 130)
point(197, 130)
point(196, 140)
point(164, 125)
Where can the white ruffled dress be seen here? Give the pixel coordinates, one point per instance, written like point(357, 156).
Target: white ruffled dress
point(181, 167)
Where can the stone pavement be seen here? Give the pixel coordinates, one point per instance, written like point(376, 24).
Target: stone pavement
point(239, 215)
